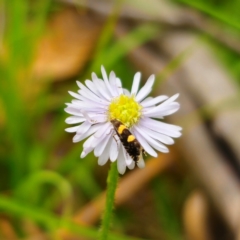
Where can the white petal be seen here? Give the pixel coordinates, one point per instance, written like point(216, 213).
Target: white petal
point(141, 163)
point(88, 142)
point(95, 88)
point(112, 79)
point(105, 79)
point(96, 140)
point(146, 100)
point(128, 159)
point(136, 81)
point(84, 127)
point(72, 129)
point(114, 150)
point(166, 108)
point(82, 99)
point(88, 106)
point(121, 164)
point(73, 110)
point(85, 101)
point(146, 89)
point(119, 86)
point(158, 136)
point(98, 151)
point(100, 118)
point(76, 102)
point(132, 165)
point(101, 104)
point(85, 152)
point(161, 111)
point(86, 115)
point(91, 96)
point(157, 145)
point(104, 74)
point(83, 88)
point(93, 129)
point(153, 101)
point(171, 99)
point(126, 92)
point(75, 95)
point(103, 130)
point(84, 91)
point(164, 128)
point(153, 143)
point(103, 158)
point(94, 118)
point(144, 143)
point(92, 141)
point(99, 140)
point(101, 87)
point(116, 84)
point(105, 155)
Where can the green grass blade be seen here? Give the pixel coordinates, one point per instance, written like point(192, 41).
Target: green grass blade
point(49, 220)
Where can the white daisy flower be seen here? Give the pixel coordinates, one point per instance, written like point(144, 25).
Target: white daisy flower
point(101, 101)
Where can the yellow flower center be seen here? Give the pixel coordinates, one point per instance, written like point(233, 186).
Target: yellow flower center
point(125, 109)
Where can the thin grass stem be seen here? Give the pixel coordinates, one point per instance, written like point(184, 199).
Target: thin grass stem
point(111, 189)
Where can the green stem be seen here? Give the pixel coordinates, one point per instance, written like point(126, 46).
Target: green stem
point(111, 189)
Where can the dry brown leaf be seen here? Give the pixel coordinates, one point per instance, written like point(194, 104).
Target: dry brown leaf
point(67, 44)
point(7, 230)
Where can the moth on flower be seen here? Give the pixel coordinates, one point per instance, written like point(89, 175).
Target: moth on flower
point(130, 143)
point(118, 124)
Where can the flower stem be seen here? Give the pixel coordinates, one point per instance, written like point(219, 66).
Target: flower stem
point(111, 189)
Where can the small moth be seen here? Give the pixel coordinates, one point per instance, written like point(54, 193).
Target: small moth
point(130, 143)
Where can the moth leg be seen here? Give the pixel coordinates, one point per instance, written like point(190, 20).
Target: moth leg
point(114, 136)
point(144, 152)
point(110, 132)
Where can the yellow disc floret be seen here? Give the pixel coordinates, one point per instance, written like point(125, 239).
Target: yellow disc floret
point(125, 109)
